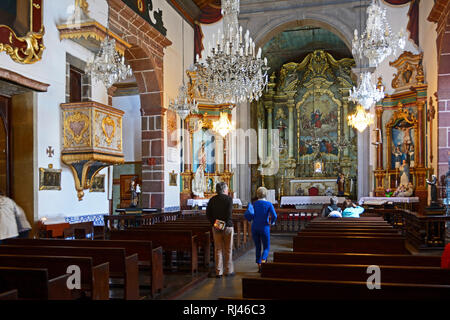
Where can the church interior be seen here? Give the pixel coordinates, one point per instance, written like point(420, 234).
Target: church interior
point(123, 121)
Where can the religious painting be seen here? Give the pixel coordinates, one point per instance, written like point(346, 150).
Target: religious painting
point(49, 179)
point(402, 136)
point(318, 120)
point(21, 30)
point(98, 183)
point(173, 178)
point(204, 146)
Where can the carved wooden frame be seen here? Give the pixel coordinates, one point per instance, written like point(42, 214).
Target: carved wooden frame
point(29, 48)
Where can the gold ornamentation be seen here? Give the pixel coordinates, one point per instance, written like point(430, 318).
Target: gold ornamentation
point(83, 5)
point(109, 129)
point(409, 70)
point(76, 125)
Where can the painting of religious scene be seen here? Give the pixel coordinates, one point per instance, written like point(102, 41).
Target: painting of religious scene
point(318, 126)
point(403, 144)
point(204, 148)
point(16, 15)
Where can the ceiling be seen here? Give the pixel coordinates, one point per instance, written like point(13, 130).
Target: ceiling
point(293, 45)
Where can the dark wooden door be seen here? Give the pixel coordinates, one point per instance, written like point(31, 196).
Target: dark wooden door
point(75, 85)
point(5, 186)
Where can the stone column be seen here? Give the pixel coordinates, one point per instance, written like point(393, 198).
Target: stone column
point(291, 107)
point(269, 108)
point(420, 123)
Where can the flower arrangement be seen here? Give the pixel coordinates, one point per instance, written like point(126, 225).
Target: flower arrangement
point(388, 192)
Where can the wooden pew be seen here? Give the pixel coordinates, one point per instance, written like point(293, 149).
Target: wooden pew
point(149, 256)
point(120, 265)
point(358, 258)
point(289, 289)
point(202, 232)
point(349, 244)
point(34, 283)
point(94, 278)
point(340, 272)
point(169, 240)
point(325, 233)
point(9, 295)
point(355, 230)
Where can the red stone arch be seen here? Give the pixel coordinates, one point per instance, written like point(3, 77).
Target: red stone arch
point(146, 58)
point(440, 14)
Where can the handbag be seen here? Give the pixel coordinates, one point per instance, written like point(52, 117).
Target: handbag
point(219, 225)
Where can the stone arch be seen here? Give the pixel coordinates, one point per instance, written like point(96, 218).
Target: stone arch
point(146, 56)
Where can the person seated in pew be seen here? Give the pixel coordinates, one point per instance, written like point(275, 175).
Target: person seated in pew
point(333, 209)
point(219, 213)
point(13, 222)
point(263, 215)
point(351, 210)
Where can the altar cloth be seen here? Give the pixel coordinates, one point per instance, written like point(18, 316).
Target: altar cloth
point(378, 200)
point(204, 202)
point(303, 200)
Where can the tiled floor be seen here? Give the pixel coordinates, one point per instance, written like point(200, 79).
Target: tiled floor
point(245, 266)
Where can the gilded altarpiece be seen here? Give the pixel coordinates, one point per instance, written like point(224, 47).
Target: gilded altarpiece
point(401, 118)
point(302, 128)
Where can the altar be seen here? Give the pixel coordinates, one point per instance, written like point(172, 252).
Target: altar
point(303, 186)
point(307, 200)
point(204, 202)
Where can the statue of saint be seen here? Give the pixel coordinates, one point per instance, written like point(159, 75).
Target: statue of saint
point(397, 156)
point(404, 174)
point(134, 195)
point(411, 156)
point(341, 184)
point(433, 183)
point(199, 183)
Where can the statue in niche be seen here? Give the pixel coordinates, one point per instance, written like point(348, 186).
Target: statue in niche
point(199, 183)
point(404, 174)
point(341, 184)
point(397, 156)
point(433, 185)
point(411, 156)
point(134, 190)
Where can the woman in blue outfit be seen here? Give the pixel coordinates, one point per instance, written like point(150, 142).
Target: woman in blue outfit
point(263, 215)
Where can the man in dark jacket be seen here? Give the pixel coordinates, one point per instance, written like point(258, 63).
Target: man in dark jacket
point(220, 207)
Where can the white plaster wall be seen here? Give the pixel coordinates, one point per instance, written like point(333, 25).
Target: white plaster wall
point(174, 71)
point(52, 70)
point(131, 124)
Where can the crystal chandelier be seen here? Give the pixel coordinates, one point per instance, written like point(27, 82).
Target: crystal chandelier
point(377, 42)
point(107, 66)
point(367, 93)
point(361, 119)
point(183, 104)
point(223, 126)
point(232, 71)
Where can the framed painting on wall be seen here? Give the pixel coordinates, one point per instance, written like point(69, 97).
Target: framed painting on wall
point(98, 183)
point(49, 179)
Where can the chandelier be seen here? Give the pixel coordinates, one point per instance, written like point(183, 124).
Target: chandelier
point(361, 119)
point(377, 42)
point(232, 71)
point(183, 104)
point(223, 126)
point(367, 93)
point(107, 66)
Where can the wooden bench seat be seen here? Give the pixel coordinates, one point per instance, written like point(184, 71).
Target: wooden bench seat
point(149, 256)
point(356, 230)
point(341, 272)
point(322, 233)
point(94, 278)
point(203, 233)
point(34, 284)
point(349, 244)
point(289, 289)
point(169, 240)
point(9, 295)
point(358, 258)
point(120, 265)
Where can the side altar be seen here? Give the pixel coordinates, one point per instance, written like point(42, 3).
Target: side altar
point(206, 152)
point(401, 133)
point(305, 146)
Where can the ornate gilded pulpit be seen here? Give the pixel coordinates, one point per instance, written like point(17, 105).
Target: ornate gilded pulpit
point(92, 140)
